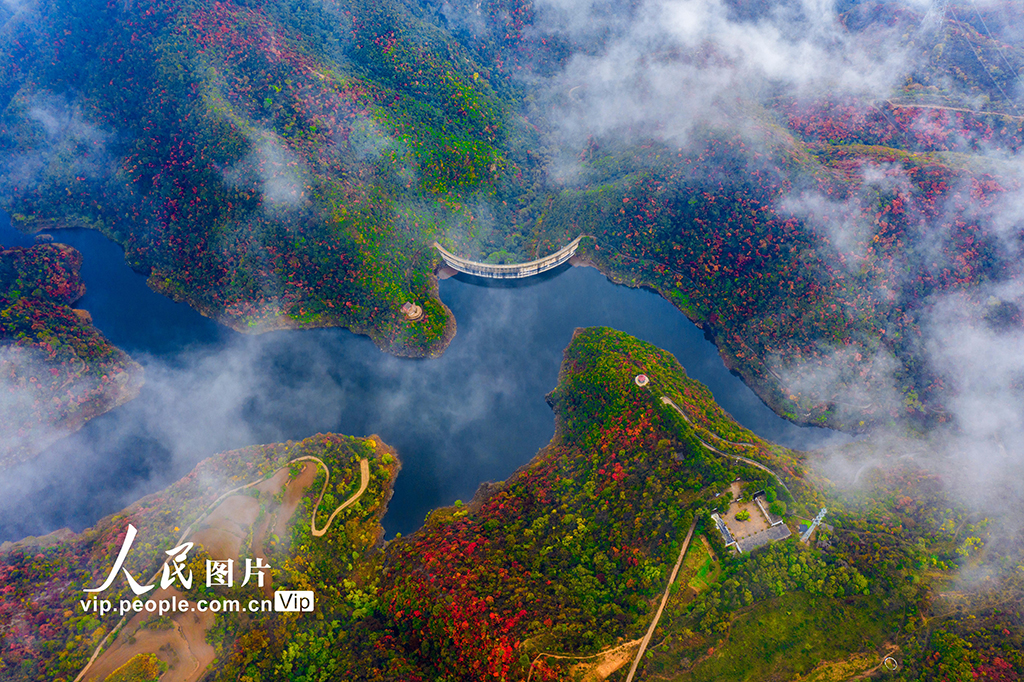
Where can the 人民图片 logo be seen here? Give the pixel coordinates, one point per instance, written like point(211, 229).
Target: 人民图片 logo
point(219, 573)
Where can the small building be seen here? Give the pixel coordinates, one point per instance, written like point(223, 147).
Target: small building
point(761, 499)
point(412, 311)
point(773, 533)
point(727, 537)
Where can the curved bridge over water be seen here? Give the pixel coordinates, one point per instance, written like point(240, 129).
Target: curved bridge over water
point(534, 267)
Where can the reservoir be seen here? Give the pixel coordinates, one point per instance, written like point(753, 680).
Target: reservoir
point(476, 414)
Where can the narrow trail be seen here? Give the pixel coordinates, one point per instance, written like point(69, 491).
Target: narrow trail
point(664, 600)
point(747, 460)
point(364, 471)
point(188, 647)
point(668, 401)
point(888, 652)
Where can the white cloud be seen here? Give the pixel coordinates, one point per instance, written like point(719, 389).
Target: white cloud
point(274, 170)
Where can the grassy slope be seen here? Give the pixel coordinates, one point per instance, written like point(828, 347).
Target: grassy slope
point(789, 636)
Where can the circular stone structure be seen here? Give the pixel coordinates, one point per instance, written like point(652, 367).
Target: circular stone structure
point(412, 311)
point(641, 380)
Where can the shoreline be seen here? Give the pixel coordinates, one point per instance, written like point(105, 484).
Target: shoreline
point(389, 340)
point(111, 397)
point(83, 395)
point(769, 394)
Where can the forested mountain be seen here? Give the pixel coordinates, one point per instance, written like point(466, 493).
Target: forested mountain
point(285, 164)
point(56, 369)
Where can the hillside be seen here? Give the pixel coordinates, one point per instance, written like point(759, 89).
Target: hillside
point(558, 571)
point(284, 166)
point(255, 502)
point(274, 168)
point(56, 370)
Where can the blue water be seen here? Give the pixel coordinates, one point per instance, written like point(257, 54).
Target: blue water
point(475, 414)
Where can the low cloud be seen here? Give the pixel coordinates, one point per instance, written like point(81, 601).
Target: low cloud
point(272, 169)
point(366, 139)
point(64, 145)
point(16, 9)
point(852, 378)
point(978, 351)
point(290, 385)
point(664, 68)
point(848, 224)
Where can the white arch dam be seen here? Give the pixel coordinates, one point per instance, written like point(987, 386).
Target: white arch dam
point(518, 270)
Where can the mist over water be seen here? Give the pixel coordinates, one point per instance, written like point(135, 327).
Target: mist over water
point(473, 415)
point(670, 72)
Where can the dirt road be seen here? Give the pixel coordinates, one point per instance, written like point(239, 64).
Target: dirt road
point(664, 600)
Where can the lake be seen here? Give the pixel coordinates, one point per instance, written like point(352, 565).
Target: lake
point(475, 414)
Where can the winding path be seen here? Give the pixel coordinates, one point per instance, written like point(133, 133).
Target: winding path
point(516, 271)
point(747, 460)
point(664, 600)
point(364, 471)
point(900, 105)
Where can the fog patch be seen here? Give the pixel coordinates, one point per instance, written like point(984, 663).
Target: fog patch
point(852, 379)
point(272, 169)
point(366, 139)
point(844, 223)
point(442, 415)
point(369, 145)
point(17, 6)
point(982, 365)
point(977, 454)
point(65, 145)
point(663, 68)
point(467, 17)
